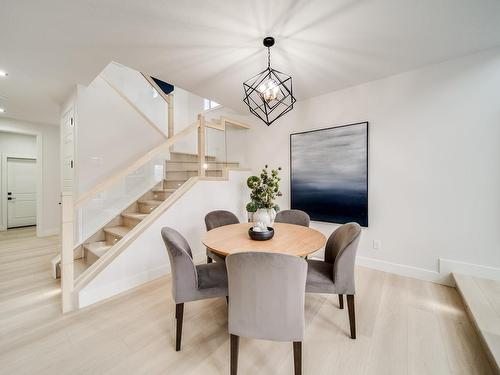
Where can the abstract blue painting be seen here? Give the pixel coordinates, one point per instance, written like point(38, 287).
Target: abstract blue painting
point(329, 173)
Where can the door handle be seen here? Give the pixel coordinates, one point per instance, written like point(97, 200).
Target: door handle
point(9, 193)
point(10, 198)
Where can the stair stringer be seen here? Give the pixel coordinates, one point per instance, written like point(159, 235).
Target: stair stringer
point(141, 256)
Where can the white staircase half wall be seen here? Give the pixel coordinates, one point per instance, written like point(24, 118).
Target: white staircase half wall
point(146, 258)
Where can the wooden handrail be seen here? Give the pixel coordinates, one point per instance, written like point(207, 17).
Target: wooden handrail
point(135, 165)
point(214, 125)
point(226, 121)
point(131, 103)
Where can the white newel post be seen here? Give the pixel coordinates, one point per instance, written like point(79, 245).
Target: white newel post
point(67, 271)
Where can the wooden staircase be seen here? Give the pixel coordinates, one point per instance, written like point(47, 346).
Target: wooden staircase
point(179, 169)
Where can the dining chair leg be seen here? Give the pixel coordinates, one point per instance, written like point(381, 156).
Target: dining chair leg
point(352, 315)
point(209, 260)
point(341, 301)
point(297, 357)
point(179, 314)
point(235, 343)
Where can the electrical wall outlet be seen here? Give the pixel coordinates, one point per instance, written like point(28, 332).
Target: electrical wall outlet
point(377, 244)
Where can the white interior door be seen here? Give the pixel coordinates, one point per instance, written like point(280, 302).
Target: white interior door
point(21, 192)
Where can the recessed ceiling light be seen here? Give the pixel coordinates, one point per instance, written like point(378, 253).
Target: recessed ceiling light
point(3, 74)
point(2, 110)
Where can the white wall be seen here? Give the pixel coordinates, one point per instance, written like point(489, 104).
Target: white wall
point(147, 258)
point(48, 151)
point(137, 89)
point(111, 134)
point(187, 106)
point(18, 144)
point(434, 152)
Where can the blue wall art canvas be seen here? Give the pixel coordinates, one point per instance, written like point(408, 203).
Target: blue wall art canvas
point(329, 173)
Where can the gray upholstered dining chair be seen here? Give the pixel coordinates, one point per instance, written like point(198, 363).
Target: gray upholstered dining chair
point(214, 220)
point(296, 217)
point(190, 282)
point(266, 300)
point(335, 275)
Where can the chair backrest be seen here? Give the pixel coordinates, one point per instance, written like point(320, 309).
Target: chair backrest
point(184, 275)
point(296, 217)
point(220, 218)
point(266, 295)
point(340, 250)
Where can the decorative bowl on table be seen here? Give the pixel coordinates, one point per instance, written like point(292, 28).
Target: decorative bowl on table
point(262, 235)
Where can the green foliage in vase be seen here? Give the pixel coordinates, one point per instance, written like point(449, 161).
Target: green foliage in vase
point(264, 189)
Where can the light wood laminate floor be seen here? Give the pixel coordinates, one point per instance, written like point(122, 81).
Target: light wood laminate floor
point(405, 326)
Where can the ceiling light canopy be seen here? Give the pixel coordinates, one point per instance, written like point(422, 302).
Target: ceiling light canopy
point(269, 94)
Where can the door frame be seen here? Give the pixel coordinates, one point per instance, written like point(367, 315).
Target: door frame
point(5, 158)
point(39, 178)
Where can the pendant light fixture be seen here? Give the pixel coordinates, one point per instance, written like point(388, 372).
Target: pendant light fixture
point(269, 94)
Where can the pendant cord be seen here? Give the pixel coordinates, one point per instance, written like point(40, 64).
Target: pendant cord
point(268, 57)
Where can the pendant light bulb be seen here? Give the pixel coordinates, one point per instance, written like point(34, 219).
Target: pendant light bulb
point(269, 90)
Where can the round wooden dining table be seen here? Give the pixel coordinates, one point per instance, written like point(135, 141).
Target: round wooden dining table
point(288, 239)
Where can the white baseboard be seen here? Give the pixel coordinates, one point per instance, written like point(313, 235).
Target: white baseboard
point(403, 270)
point(446, 267)
point(89, 296)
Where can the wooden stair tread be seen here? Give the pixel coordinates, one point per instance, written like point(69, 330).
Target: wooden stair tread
point(97, 248)
point(159, 190)
point(134, 215)
point(150, 202)
point(482, 300)
point(118, 231)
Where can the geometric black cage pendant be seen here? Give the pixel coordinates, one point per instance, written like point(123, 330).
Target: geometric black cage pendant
point(269, 94)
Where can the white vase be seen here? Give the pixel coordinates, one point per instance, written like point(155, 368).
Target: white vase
point(265, 215)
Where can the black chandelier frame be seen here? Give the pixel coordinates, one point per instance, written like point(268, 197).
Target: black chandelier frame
point(269, 112)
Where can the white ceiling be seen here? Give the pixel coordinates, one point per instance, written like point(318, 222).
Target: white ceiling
point(210, 47)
